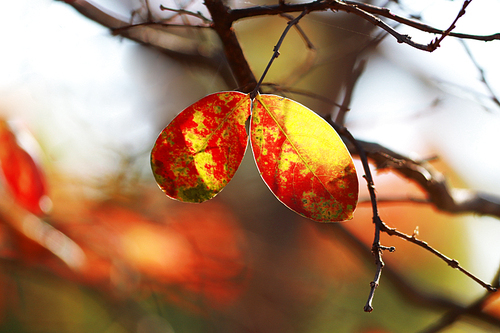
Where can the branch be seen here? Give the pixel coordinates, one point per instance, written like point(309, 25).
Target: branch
point(155, 34)
point(407, 290)
point(385, 12)
point(366, 12)
point(381, 226)
point(451, 200)
point(474, 309)
point(451, 262)
point(284, 90)
point(276, 51)
point(149, 33)
point(435, 44)
point(350, 84)
point(198, 15)
point(222, 24)
point(493, 97)
point(376, 247)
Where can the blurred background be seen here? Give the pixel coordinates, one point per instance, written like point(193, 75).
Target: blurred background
point(107, 251)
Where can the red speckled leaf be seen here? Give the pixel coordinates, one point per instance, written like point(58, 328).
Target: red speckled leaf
point(302, 160)
point(21, 173)
point(197, 154)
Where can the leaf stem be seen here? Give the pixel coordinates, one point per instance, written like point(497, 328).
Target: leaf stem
point(276, 52)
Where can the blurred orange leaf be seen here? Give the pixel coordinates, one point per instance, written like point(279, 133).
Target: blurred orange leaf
point(492, 305)
point(302, 160)
point(192, 254)
point(21, 173)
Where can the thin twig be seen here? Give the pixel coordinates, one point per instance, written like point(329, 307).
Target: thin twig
point(301, 32)
point(494, 98)
point(276, 51)
point(187, 12)
point(121, 30)
point(310, 58)
point(380, 226)
point(292, 90)
point(435, 44)
point(376, 247)
point(411, 293)
point(367, 12)
point(350, 84)
point(385, 12)
point(473, 309)
point(451, 262)
point(396, 200)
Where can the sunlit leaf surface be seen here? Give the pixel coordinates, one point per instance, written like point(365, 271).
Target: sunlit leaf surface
point(197, 154)
point(303, 160)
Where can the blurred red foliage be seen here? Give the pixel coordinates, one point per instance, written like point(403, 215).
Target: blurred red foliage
point(191, 254)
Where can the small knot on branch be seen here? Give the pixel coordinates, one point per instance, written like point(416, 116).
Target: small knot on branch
point(454, 263)
point(387, 248)
point(403, 39)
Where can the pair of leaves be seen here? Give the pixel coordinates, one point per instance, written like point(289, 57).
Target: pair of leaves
point(300, 157)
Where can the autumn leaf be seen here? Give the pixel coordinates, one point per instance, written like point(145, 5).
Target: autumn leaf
point(302, 160)
point(198, 153)
point(21, 173)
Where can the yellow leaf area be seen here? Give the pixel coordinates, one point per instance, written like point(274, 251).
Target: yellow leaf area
point(302, 160)
point(198, 153)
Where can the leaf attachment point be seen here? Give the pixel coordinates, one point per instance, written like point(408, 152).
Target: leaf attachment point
point(198, 153)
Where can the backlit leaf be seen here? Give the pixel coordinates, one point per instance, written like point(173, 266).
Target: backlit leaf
point(197, 154)
point(302, 160)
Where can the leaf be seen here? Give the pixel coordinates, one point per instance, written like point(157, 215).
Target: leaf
point(302, 160)
point(126, 250)
point(198, 153)
point(21, 173)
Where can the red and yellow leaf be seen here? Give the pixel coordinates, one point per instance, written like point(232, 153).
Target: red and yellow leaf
point(302, 160)
point(198, 153)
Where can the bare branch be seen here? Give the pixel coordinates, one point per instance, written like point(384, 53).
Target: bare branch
point(301, 32)
point(396, 163)
point(451, 262)
point(447, 199)
point(366, 12)
point(435, 44)
point(494, 98)
point(149, 33)
point(234, 54)
point(187, 12)
point(377, 248)
point(474, 309)
point(349, 90)
point(276, 51)
point(284, 90)
point(385, 12)
point(407, 290)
